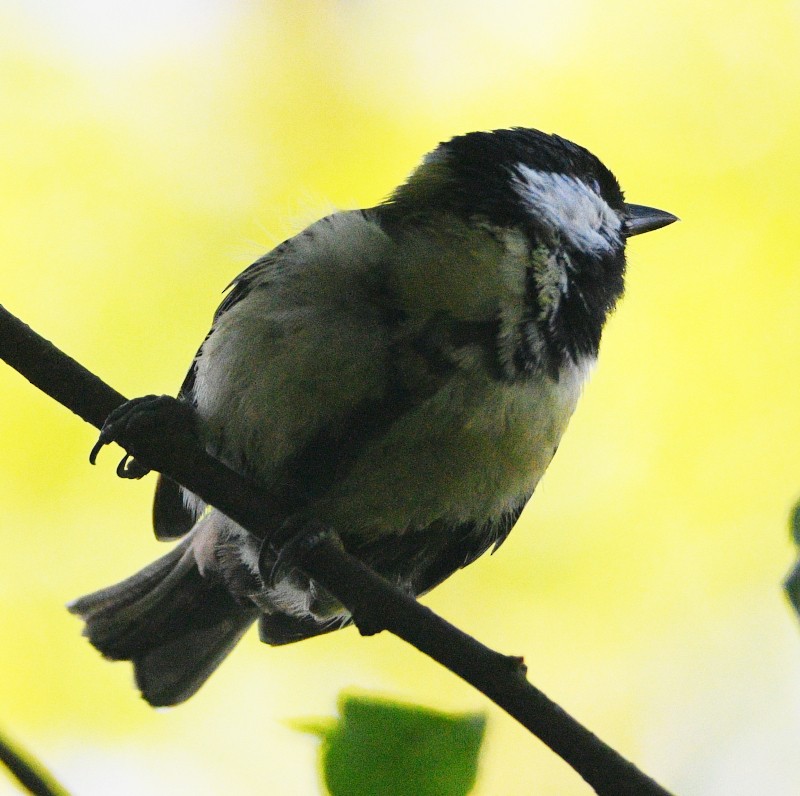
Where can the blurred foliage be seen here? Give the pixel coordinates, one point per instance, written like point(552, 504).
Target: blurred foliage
point(792, 583)
point(378, 747)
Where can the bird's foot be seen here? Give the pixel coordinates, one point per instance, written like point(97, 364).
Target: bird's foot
point(280, 552)
point(145, 427)
point(282, 555)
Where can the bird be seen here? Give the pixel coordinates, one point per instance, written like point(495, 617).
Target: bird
point(401, 374)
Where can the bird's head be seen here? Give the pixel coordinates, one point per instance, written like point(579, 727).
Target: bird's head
point(554, 204)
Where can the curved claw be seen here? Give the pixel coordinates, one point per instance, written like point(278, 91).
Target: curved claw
point(102, 441)
point(106, 432)
point(121, 466)
point(140, 426)
point(132, 468)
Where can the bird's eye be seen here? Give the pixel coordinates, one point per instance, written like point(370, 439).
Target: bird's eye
point(595, 185)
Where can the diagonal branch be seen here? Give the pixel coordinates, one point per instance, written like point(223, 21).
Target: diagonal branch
point(373, 602)
point(29, 772)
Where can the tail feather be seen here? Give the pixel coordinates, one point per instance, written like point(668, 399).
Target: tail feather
point(129, 591)
point(173, 624)
point(172, 672)
point(277, 629)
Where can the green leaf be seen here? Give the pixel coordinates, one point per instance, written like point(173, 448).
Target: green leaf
point(792, 586)
point(794, 523)
point(383, 748)
point(792, 582)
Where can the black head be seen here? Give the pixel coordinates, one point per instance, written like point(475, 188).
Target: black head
point(568, 207)
point(472, 173)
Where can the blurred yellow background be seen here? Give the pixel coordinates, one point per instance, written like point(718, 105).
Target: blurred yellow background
point(150, 151)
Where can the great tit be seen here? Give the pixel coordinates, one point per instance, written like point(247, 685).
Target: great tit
point(403, 373)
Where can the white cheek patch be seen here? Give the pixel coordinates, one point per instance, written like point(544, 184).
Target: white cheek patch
point(569, 207)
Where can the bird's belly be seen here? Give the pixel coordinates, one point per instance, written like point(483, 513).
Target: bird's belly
point(469, 453)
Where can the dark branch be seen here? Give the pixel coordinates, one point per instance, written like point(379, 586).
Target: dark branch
point(30, 774)
point(374, 603)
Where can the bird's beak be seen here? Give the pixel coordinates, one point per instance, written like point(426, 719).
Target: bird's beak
point(645, 219)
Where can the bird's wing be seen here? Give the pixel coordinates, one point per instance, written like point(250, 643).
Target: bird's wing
point(321, 280)
point(172, 518)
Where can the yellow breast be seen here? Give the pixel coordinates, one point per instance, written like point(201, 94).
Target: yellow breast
point(467, 454)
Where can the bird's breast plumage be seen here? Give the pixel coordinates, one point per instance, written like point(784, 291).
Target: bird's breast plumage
point(343, 371)
point(310, 376)
point(468, 453)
